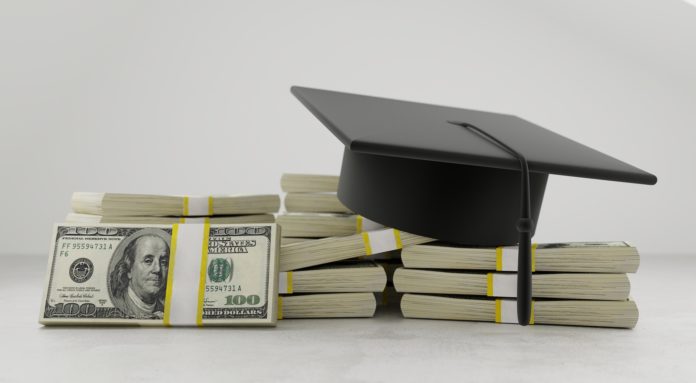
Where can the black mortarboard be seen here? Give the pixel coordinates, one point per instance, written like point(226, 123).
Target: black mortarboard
point(452, 174)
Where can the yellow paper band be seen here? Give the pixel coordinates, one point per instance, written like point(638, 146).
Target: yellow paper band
point(531, 318)
point(358, 224)
point(534, 247)
point(186, 206)
point(489, 281)
point(182, 220)
point(366, 241)
point(499, 258)
point(397, 238)
point(170, 276)
point(497, 310)
point(202, 280)
point(280, 307)
point(210, 205)
point(289, 288)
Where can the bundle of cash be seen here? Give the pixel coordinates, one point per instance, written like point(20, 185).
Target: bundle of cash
point(311, 193)
point(308, 183)
point(571, 257)
point(314, 203)
point(337, 277)
point(344, 305)
point(115, 207)
point(578, 283)
point(166, 275)
point(618, 314)
point(91, 218)
point(499, 284)
point(307, 225)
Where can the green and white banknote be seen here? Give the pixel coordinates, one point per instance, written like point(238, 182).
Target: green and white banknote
point(162, 275)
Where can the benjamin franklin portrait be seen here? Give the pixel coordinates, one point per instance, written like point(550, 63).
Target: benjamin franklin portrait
point(138, 278)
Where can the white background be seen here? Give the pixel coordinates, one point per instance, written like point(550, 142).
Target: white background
point(193, 98)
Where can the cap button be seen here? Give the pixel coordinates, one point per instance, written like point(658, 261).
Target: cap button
point(525, 225)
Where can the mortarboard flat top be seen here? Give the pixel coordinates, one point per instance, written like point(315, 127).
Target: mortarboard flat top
point(421, 131)
point(407, 165)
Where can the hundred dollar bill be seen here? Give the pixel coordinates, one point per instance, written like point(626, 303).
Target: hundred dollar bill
point(171, 275)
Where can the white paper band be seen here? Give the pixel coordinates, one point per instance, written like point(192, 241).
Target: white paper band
point(196, 220)
point(508, 311)
point(187, 274)
point(364, 224)
point(381, 241)
point(285, 282)
point(509, 259)
point(503, 285)
point(199, 205)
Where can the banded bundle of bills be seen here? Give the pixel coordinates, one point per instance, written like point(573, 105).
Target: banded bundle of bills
point(581, 257)
point(345, 305)
point(347, 276)
point(580, 283)
point(308, 183)
point(304, 226)
point(166, 275)
point(91, 218)
point(320, 248)
point(314, 203)
point(546, 285)
point(619, 314)
point(310, 193)
point(164, 209)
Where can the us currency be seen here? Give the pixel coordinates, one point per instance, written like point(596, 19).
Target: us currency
point(188, 275)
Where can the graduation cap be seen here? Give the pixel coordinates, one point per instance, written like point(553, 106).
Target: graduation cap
point(463, 176)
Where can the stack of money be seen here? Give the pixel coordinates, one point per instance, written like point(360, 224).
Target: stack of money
point(579, 284)
point(166, 275)
point(168, 209)
point(332, 261)
point(113, 261)
point(314, 211)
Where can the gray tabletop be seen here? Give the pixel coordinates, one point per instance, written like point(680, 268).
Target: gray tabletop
point(385, 348)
